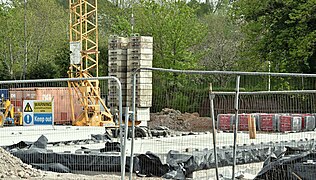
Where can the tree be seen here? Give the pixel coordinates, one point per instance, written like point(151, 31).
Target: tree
point(109, 16)
point(202, 8)
point(173, 25)
point(175, 29)
point(281, 32)
point(46, 32)
point(12, 37)
point(221, 44)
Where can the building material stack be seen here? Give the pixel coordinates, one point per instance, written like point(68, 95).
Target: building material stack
point(140, 55)
point(117, 65)
point(125, 56)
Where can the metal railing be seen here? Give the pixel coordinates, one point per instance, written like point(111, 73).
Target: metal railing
point(182, 101)
point(175, 85)
point(46, 89)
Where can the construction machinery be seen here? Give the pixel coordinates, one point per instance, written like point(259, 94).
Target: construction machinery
point(84, 57)
point(84, 64)
point(7, 115)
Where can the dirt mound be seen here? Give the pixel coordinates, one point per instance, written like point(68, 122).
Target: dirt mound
point(12, 167)
point(178, 121)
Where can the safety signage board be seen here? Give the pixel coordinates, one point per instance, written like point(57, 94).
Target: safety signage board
point(38, 112)
point(43, 119)
point(28, 106)
point(28, 120)
point(43, 106)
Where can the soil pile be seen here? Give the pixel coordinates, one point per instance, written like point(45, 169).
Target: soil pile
point(175, 120)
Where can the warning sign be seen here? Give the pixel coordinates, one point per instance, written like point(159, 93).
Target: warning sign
point(38, 112)
point(43, 107)
point(28, 108)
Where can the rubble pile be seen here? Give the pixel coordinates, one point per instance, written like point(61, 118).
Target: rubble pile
point(13, 167)
point(175, 120)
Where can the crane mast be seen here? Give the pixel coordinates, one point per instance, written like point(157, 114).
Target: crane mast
point(84, 52)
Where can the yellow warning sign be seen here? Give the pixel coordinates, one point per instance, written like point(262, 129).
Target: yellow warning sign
point(43, 107)
point(28, 108)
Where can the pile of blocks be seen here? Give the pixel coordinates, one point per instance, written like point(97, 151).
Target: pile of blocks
point(126, 55)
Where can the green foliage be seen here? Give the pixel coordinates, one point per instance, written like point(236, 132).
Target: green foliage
point(221, 43)
point(61, 61)
point(174, 26)
point(42, 70)
point(177, 32)
point(201, 8)
point(11, 49)
point(46, 28)
point(282, 32)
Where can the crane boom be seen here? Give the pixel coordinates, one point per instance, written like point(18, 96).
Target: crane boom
point(83, 36)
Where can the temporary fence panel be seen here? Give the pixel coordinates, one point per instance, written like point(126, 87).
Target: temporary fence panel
point(75, 148)
point(181, 102)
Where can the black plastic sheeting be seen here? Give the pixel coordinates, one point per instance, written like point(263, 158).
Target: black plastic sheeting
point(55, 167)
point(37, 155)
point(80, 162)
point(111, 147)
point(291, 163)
point(149, 165)
point(178, 164)
point(183, 164)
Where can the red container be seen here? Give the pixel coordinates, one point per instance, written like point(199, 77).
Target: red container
point(268, 122)
point(17, 95)
point(285, 123)
point(60, 95)
point(225, 121)
point(62, 104)
point(290, 123)
point(243, 122)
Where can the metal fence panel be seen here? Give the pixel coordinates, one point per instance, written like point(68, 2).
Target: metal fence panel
point(181, 101)
point(79, 148)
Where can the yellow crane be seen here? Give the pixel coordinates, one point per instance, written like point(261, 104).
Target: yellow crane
point(84, 52)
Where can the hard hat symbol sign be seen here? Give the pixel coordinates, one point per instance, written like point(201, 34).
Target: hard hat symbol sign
point(28, 119)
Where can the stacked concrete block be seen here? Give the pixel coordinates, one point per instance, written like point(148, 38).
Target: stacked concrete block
point(125, 56)
point(140, 55)
point(116, 42)
point(117, 65)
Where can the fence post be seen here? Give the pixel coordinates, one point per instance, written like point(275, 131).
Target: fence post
point(212, 96)
point(121, 130)
point(235, 125)
point(133, 125)
point(121, 125)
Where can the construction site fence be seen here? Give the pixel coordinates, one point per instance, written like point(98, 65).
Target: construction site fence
point(59, 132)
point(193, 105)
point(206, 111)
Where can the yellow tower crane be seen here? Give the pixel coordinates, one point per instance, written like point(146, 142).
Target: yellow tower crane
point(83, 35)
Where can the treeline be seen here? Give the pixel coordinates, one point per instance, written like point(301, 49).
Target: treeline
point(244, 35)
